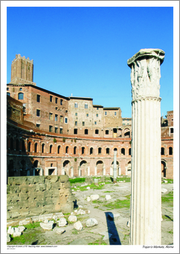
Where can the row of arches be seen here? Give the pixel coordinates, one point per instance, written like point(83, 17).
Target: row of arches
point(59, 149)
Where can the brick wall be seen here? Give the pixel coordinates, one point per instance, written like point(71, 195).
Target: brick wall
point(36, 195)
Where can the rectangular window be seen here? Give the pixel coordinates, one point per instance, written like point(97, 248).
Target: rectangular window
point(38, 98)
point(95, 123)
point(56, 118)
point(76, 114)
point(50, 116)
point(105, 113)
point(115, 113)
point(96, 115)
point(61, 102)
point(87, 115)
point(56, 100)
point(65, 120)
point(61, 131)
point(75, 123)
point(85, 105)
point(83, 123)
point(50, 98)
point(61, 119)
point(56, 129)
point(75, 105)
point(106, 132)
point(38, 112)
point(50, 128)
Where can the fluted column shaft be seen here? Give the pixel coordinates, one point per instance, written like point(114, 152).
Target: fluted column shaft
point(145, 226)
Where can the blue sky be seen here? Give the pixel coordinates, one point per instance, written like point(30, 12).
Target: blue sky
point(83, 51)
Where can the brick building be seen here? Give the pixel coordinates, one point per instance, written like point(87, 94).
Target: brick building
point(48, 133)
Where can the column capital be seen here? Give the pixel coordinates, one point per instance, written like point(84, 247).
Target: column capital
point(145, 73)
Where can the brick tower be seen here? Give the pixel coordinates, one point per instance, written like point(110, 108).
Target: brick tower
point(22, 70)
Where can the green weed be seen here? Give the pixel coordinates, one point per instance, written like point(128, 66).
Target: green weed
point(119, 203)
point(168, 198)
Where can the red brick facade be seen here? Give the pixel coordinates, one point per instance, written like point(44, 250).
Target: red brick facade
point(53, 134)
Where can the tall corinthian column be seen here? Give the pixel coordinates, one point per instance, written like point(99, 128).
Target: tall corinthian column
point(145, 228)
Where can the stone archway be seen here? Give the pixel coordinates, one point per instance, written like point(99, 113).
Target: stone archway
point(67, 167)
point(83, 168)
point(99, 168)
point(128, 169)
point(163, 169)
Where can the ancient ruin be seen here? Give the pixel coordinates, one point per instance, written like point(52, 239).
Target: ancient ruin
point(146, 147)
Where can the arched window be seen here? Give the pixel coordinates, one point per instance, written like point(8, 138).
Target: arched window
point(50, 149)
point(35, 147)
point(107, 150)
point(75, 148)
point(29, 147)
point(91, 150)
point(170, 151)
point(162, 150)
point(43, 146)
point(20, 96)
point(58, 150)
point(67, 148)
point(17, 145)
point(83, 150)
point(35, 163)
point(129, 151)
point(123, 151)
point(99, 150)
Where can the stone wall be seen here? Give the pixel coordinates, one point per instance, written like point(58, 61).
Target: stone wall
point(35, 195)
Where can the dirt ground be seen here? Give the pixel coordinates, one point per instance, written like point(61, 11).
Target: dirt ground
point(112, 226)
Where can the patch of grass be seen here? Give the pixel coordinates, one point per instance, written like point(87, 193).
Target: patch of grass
point(108, 191)
point(32, 225)
point(97, 202)
point(77, 180)
point(170, 232)
point(127, 179)
point(168, 181)
point(27, 238)
point(119, 203)
point(168, 198)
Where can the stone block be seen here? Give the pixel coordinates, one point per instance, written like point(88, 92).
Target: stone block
point(18, 180)
point(78, 225)
point(11, 198)
point(72, 218)
point(94, 197)
point(64, 178)
point(40, 187)
point(25, 221)
point(25, 189)
point(47, 225)
point(59, 231)
point(91, 222)
point(14, 214)
point(23, 196)
point(48, 184)
point(62, 222)
point(24, 212)
point(8, 238)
